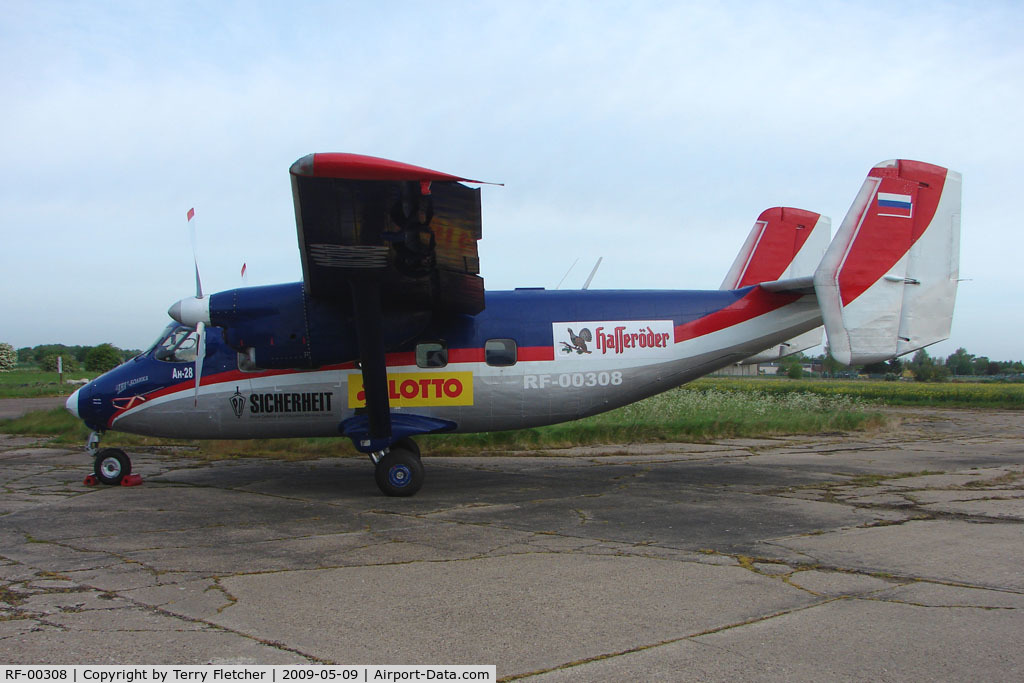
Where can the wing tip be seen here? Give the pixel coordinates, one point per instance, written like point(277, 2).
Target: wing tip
point(303, 166)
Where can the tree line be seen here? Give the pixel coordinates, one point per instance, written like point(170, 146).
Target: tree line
point(99, 358)
point(922, 366)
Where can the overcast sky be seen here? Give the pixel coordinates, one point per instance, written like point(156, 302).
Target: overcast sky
point(650, 133)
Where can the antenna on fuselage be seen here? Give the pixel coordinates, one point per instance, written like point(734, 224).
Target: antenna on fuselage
point(597, 265)
point(567, 273)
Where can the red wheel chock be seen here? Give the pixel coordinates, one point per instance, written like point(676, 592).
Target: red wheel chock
point(129, 480)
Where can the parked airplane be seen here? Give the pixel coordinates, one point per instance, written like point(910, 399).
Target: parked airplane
point(390, 335)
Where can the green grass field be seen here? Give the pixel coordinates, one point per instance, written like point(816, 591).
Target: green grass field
point(937, 394)
point(32, 382)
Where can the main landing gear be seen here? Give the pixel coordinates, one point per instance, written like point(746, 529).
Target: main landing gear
point(110, 465)
point(398, 470)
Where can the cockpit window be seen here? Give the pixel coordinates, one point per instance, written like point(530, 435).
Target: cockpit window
point(177, 346)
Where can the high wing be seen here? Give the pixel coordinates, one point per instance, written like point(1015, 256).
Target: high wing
point(385, 238)
point(412, 229)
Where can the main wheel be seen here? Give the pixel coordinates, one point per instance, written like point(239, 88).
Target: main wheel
point(399, 473)
point(406, 444)
point(111, 466)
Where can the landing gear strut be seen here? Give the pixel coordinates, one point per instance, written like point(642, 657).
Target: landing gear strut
point(399, 471)
point(110, 465)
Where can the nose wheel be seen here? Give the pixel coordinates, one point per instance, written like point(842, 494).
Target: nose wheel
point(399, 472)
point(111, 465)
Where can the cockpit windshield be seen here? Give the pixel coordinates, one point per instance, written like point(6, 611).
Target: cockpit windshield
point(176, 344)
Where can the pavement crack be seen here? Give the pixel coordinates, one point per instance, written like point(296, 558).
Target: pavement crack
point(229, 599)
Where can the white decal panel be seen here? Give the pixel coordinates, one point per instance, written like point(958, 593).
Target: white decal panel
point(619, 339)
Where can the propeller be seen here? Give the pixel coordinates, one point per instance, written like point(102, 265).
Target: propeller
point(200, 355)
point(194, 311)
point(200, 325)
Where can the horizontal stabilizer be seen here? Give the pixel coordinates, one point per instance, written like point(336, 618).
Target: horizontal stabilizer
point(799, 343)
point(887, 283)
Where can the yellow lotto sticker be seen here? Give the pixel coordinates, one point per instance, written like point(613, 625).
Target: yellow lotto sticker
point(418, 389)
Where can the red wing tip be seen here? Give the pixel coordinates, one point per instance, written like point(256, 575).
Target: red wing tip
point(362, 167)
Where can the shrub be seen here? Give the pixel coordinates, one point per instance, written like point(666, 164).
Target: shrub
point(102, 358)
point(48, 363)
point(8, 357)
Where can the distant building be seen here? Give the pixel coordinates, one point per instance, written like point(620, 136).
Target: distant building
point(737, 370)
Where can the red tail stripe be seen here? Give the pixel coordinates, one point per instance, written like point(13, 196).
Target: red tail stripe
point(755, 303)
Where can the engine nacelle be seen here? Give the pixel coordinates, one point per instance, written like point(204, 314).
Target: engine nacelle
point(279, 326)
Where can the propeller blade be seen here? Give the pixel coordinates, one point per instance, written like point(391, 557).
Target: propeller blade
point(191, 215)
point(200, 356)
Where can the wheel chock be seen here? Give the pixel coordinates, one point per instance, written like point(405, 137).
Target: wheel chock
point(132, 480)
point(91, 480)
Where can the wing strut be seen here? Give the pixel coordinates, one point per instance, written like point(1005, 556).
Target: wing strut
point(366, 303)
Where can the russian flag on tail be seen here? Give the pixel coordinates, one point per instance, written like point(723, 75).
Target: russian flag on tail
point(899, 205)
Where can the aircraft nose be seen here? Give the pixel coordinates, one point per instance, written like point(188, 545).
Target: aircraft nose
point(72, 403)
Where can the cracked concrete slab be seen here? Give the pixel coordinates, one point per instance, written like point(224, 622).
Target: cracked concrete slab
point(836, 584)
point(844, 640)
point(993, 507)
point(970, 553)
point(787, 558)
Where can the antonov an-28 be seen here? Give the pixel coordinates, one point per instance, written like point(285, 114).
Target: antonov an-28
point(391, 335)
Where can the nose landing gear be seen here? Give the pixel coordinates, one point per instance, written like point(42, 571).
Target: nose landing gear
point(110, 465)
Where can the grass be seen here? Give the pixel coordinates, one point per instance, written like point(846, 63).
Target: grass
point(33, 383)
point(938, 394)
point(686, 414)
point(683, 414)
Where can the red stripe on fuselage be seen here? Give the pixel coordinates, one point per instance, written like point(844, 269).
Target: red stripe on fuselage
point(756, 302)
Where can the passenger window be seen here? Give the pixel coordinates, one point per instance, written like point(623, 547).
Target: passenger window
point(431, 355)
point(500, 352)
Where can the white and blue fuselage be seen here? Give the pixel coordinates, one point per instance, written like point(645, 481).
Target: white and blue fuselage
point(531, 358)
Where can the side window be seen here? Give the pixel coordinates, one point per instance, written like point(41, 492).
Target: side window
point(432, 354)
point(247, 361)
point(500, 352)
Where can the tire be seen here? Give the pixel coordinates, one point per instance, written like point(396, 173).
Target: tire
point(406, 444)
point(399, 473)
point(111, 466)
